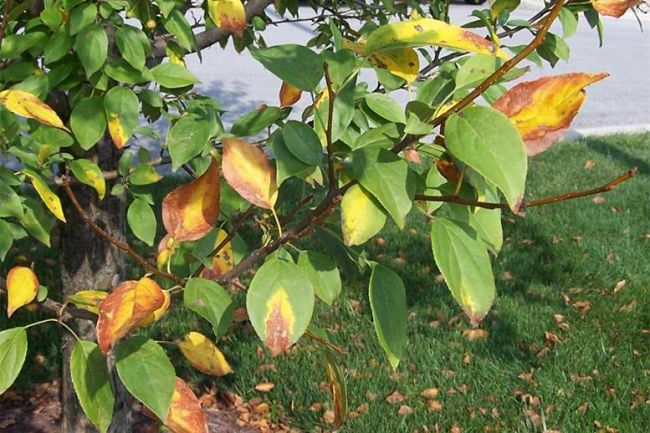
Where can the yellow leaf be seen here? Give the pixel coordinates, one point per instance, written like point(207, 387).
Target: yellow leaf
point(228, 15)
point(279, 322)
point(289, 95)
point(427, 31)
point(614, 8)
point(223, 261)
point(166, 248)
point(159, 313)
point(48, 197)
point(543, 109)
point(27, 105)
point(116, 131)
point(361, 216)
point(248, 171)
point(88, 299)
point(126, 307)
point(403, 62)
point(190, 211)
point(185, 413)
point(22, 288)
point(204, 355)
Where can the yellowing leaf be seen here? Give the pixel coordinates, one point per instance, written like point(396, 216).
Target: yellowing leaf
point(27, 105)
point(125, 308)
point(543, 109)
point(361, 217)
point(90, 174)
point(403, 62)
point(614, 8)
point(116, 131)
point(204, 355)
point(228, 15)
point(159, 313)
point(48, 197)
point(88, 300)
point(22, 287)
point(185, 413)
point(289, 95)
point(249, 172)
point(427, 31)
point(223, 261)
point(165, 250)
point(190, 211)
point(279, 321)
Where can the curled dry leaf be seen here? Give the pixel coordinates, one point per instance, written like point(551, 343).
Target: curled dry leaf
point(88, 300)
point(22, 288)
point(404, 410)
point(27, 105)
point(614, 8)
point(190, 211)
point(248, 171)
point(128, 306)
point(204, 355)
point(543, 109)
point(338, 388)
point(185, 413)
point(228, 15)
point(475, 334)
point(289, 95)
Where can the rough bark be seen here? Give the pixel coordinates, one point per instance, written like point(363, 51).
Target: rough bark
point(89, 262)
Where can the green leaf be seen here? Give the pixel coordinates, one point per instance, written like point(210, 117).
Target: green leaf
point(92, 383)
point(173, 76)
point(287, 165)
point(280, 303)
point(92, 48)
point(81, 17)
point(302, 142)
point(386, 107)
point(177, 24)
point(88, 121)
point(186, 139)
point(323, 275)
point(384, 136)
point(57, 46)
point(10, 204)
point(13, 350)
point(387, 177)
point(147, 373)
point(569, 22)
point(5, 241)
point(488, 142)
point(90, 174)
point(123, 102)
point(129, 41)
point(341, 65)
point(294, 64)
point(121, 71)
point(387, 297)
point(212, 302)
point(144, 174)
point(142, 221)
point(464, 262)
point(475, 70)
point(361, 216)
point(251, 124)
point(36, 220)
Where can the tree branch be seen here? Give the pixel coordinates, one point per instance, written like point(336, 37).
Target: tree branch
point(534, 203)
point(331, 178)
point(117, 243)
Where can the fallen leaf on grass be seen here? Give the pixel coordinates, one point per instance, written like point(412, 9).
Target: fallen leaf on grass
point(404, 410)
point(429, 393)
point(589, 164)
point(475, 334)
point(435, 406)
point(395, 397)
point(265, 386)
point(620, 286)
point(583, 408)
point(628, 307)
point(599, 199)
point(329, 416)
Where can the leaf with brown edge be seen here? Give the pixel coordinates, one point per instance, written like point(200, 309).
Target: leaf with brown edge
point(614, 8)
point(22, 288)
point(125, 308)
point(27, 105)
point(289, 95)
point(228, 15)
point(543, 109)
point(223, 261)
point(337, 386)
point(185, 413)
point(204, 355)
point(248, 171)
point(190, 211)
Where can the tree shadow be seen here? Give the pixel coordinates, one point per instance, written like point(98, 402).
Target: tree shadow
point(607, 149)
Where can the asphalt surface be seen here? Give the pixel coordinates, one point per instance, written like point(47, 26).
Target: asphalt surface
point(623, 99)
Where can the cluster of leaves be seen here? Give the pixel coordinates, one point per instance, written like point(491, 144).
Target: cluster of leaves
point(102, 65)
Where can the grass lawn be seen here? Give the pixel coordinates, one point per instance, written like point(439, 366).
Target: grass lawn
point(564, 350)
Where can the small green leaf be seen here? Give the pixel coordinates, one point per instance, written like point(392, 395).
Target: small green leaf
point(177, 24)
point(251, 124)
point(88, 121)
point(211, 301)
point(173, 76)
point(92, 383)
point(296, 65)
point(81, 17)
point(287, 165)
point(147, 373)
point(186, 139)
point(92, 48)
point(476, 69)
point(13, 350)
point(144, 174)
point(302, 142)
point(5, 241)
point(90, 174)
point(129, 41)
point(386, 107)
point(142, 221)
point(323, 275)
point(388, 304)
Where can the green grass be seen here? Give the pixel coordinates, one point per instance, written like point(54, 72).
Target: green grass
point(557, 255)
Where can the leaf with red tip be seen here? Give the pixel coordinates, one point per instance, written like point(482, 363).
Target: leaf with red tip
point(127, 307)
point(543, 109)
point(289, 95)
point(248, 171)
point(185, 413)
point(191, 210)
point(22, 288)
point(228, 15)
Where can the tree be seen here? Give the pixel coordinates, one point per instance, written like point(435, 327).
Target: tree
point(78, 76)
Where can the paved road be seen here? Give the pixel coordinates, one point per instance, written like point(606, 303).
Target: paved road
point(241, 84)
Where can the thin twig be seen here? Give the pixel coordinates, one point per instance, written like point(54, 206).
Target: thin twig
point(330, 146)
point(111, 239)
point(534, 203)
point(324, 342)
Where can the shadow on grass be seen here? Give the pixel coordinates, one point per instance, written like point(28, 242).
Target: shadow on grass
point(605, 148)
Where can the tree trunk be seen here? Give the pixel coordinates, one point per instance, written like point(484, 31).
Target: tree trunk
point(89, 262)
